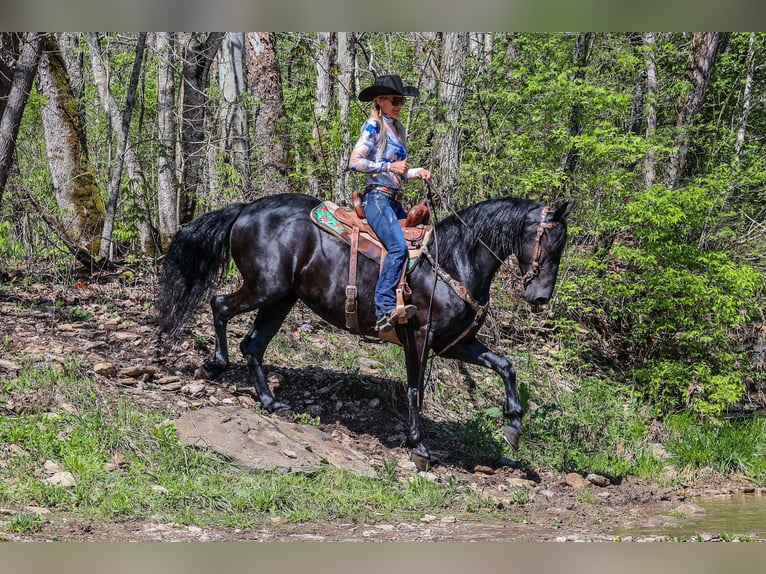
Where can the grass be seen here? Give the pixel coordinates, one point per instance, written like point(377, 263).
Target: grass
point(157, 477)
point(729, 446)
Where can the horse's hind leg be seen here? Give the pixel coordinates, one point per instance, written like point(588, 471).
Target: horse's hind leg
point(253, 346)
point(225, 307)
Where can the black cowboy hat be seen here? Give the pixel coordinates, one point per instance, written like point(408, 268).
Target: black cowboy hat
point(387, 85)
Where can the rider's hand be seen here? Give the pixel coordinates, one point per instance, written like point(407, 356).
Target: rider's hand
point(425, 174)
point(399, 167)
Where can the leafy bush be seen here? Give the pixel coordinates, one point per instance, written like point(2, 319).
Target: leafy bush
point(668, 294)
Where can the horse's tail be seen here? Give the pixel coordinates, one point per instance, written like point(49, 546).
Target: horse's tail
point(193, 266)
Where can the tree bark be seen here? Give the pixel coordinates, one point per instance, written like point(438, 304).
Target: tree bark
point(167, 179)
point(346, 91)
point(324, 83)
point(652, 94)
point(580, 56)
point(699, 68)
point(198, 57)
point(120, 127)
point(77, 193)
point(22, 77)
point(233, 114)
point(451, 94)
point(270, 141)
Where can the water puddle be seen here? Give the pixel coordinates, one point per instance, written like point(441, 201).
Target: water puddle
point(741, 515)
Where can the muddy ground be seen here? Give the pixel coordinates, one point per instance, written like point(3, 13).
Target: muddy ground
point(109, 324)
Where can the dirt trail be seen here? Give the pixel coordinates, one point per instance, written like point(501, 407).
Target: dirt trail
point(110, 326)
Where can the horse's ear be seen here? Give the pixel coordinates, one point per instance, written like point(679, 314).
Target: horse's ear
point(563, 210)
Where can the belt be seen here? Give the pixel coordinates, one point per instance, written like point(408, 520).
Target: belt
point(392, 192)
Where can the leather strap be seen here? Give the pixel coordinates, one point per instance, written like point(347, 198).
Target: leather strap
point(352, 317)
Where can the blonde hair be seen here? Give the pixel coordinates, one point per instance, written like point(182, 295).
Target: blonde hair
point(377, 116)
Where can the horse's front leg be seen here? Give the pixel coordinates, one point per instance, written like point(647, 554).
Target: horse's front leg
point(474, 352)
point(415, 376)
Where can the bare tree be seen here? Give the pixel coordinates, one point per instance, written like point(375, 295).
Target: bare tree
point(233, 117)
point(346, 91)
point(325, 58)
point(270, 141)
point(652, 94)
point(77, 193)
point(13, 98)
point(198, 57)
point(580, 55)
point(699, 68)
point(120, 125)
point(167, 178)
point(451, 94)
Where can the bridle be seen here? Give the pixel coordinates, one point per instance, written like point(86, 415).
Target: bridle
point(542, 225)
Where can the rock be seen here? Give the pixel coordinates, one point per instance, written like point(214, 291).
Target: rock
point(598, 480)
point(517, 482)
point(259, 442)
point(193, 389)
point(658, 451)
point(105, 369)
point(162, 381)
point(51, 467)
point(481, 469)
point(9, 366)
point(65, 479)
point(137, 371)
point(575, 481)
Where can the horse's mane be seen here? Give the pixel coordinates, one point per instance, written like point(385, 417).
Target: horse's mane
point(497, 222)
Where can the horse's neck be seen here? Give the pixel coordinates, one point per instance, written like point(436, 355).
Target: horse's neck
point(470, 261)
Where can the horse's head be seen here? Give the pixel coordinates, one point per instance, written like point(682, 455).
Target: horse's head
point(542, 243)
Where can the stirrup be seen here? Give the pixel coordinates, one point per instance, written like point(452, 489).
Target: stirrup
point(387, 322)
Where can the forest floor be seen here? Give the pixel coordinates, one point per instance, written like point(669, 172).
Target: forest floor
point(110, 326)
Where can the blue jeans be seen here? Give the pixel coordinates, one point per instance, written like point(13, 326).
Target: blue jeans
point(383, 214)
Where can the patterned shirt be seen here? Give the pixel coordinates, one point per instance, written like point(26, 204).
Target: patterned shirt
point(369, 157)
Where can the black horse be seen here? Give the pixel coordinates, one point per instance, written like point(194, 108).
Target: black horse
point(283, 256)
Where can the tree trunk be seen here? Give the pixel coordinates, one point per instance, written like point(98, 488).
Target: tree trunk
point(699, 68)
point(233, 115)
point(747, 96)
point(427, 50)
point(120, 127)
point(270, 141)
point(324, 83)
point(74, 58)
point(167, 180)
point(346, 91)
point(652, 94)
point(77, 193)
point(451, 94)
point(198, 57)
point(580, 55)
point(21, 78)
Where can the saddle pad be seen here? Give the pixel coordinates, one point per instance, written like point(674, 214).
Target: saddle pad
point(325, 216)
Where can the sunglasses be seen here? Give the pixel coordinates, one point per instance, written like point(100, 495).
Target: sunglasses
point(395, 101)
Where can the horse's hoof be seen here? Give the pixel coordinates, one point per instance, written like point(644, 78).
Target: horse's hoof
point(282, 410)
point(421, 457)
point(511, 436)
point(209, 371)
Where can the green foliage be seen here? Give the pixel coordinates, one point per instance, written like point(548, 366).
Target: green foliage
point(727, 446)
point(671, 296)
point(596, 427)
point(9, 247)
